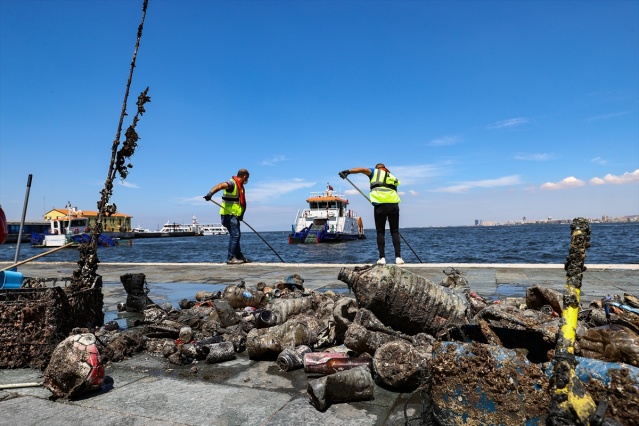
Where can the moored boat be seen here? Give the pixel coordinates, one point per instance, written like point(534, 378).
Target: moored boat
point(170, 229)
point(327, 219)
point(213, 229)
point(73, 228)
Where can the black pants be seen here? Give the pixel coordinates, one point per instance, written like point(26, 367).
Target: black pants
point(382, 213)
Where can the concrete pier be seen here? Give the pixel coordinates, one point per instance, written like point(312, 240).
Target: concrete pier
point(147, 390)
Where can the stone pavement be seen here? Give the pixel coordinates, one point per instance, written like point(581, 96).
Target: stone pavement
point(146, 390)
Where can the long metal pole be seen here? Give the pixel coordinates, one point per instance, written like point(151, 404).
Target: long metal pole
point(269, 246)
point(22, 262)
point(24, 213)
point(400, 234)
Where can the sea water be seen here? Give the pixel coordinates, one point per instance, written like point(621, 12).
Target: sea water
point(616, 243)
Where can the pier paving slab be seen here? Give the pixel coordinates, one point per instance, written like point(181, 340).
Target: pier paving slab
point(146, 390)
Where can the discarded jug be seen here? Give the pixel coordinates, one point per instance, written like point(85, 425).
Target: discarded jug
point(344, 386)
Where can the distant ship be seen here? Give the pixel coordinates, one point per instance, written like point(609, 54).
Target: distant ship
point(326, 220)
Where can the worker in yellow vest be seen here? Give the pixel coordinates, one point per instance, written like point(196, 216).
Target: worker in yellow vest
point(384, 198)
point(232, 212)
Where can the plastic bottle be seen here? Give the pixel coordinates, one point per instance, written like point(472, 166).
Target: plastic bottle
point(352, 385)
point(334, 365)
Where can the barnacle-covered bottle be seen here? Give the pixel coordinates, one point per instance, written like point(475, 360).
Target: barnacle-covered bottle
point(405, 301)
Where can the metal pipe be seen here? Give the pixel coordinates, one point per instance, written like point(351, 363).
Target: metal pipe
point(24, 212)
point(252, 229)
point(400, 234)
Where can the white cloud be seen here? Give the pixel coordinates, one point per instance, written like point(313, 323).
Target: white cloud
point(413, 193)
point(618, 180)
point(598, 160)
point(269, 191)
point(444, 141)
point(273, 160)
point(512, 122)
point(408, 175)
point(533, 157)
point(128, 184)
point(608, 116)
point(486, 183)
point(569, 182)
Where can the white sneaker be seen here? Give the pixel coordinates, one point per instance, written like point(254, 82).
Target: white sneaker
point(381, 261)
point(399, 261)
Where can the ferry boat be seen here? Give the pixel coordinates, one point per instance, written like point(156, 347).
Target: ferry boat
point(140, 230)
point(66, 229)
point(212, 229)
point(327, 219)
point(172, 229)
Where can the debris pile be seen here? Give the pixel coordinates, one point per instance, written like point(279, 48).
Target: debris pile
point(489, 361)
point(35, 319)
point(452, 342)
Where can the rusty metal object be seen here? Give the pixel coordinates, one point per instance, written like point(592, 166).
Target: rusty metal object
point(292, 359)
point(345, 386)
point(34, 321)
point(405, 301)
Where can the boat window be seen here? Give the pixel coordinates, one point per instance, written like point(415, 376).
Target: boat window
point(78, 222)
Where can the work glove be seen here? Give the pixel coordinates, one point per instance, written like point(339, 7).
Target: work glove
point(344, 173)
point(208, 196)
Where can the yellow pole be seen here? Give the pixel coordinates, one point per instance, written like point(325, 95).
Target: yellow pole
point(571, 403)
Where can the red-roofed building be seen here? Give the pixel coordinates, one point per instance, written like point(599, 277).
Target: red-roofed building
point(117, 222)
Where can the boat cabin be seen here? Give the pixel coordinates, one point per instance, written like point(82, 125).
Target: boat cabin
point(325, 207)
point(69, 225)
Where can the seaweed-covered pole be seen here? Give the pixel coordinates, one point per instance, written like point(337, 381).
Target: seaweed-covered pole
point(570, 403)
point(86, 274)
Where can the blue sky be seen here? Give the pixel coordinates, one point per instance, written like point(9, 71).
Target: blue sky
point(491, 110)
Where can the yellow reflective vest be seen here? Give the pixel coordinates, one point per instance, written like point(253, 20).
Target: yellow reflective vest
point(384, 187)
point(231, 202)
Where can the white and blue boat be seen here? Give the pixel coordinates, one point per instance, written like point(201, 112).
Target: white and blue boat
point(327, 219)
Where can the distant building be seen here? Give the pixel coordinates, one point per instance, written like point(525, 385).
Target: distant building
point(117, 222)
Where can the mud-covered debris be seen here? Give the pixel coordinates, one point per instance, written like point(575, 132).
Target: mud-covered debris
point(122, 346)
point(402, 365)
point(75, 367)
point(269, 342)
point(537, 297)
point(219, 352)
point(405, 301)
point(345, 386)
point(480, 384)
point(455, 281)
point(622, 395)
point(137, 290)
point(241, 297)
point(612, 343)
